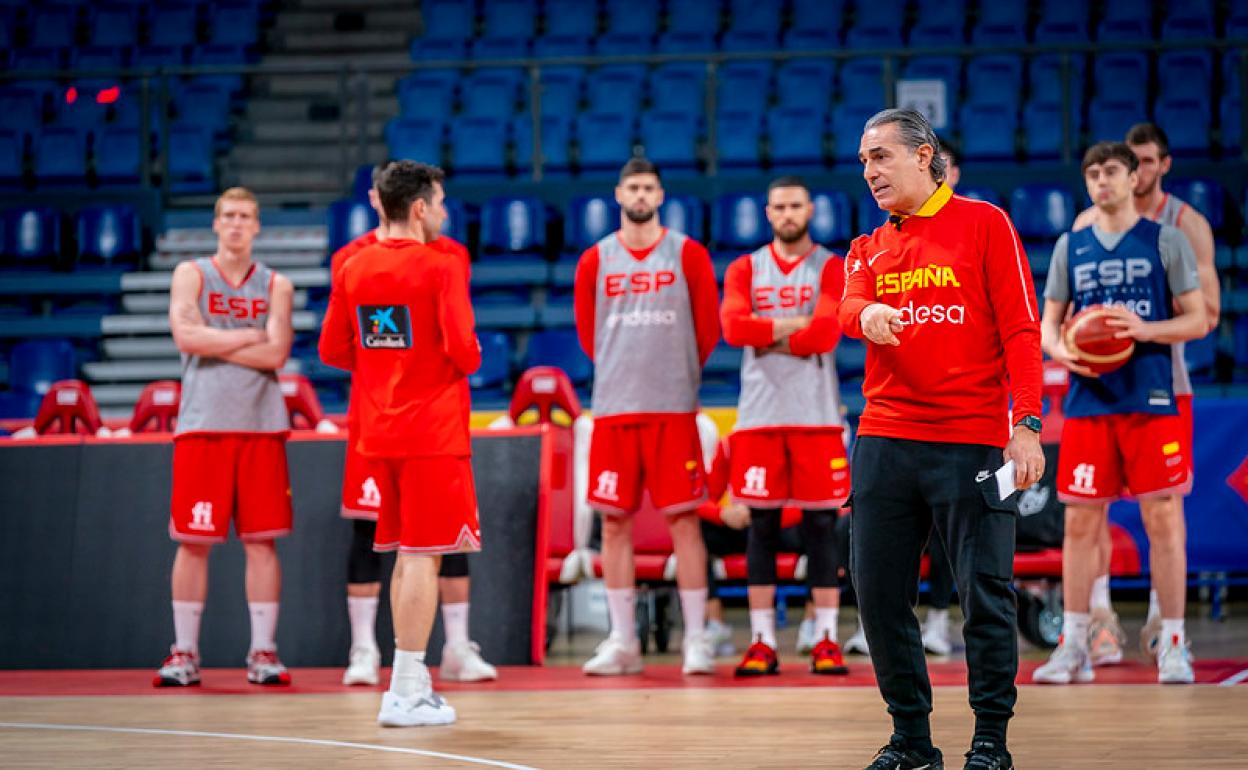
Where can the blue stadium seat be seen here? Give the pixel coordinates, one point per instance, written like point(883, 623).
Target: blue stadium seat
point(492, 48)
point(571, 17)
point(234, 24)
point(35, 364)
point(1042, 210)
point(670, 139)
point(424, 95)
point(219, 55)
point(98, 59)
point(589, 218)
point(678, 89)
point(20, 110)
point(513, 225)
point(115, 26)
point(1062, 23)
point(495, 361)
point(173, 25)
point(348, 220)
point(8, 30)
point(1131, 30)
point(980, 193)
point(995, 78)
point(416, 139)
point(870, 215)
point(684, 214)
point(605, 141)
point(448, 19)
point(84, 114)
point(508, 271)
point(748, 41)
point(108, 236)
point(118, 156)
point(1231, 112)
point(559, 310)
point(988, 132)
point(1042, 129)
point(504, 309)
point(614, 91)
point(510, 18)
point(745, 15)
point(862, 83)
point(743, 86)
point(881, 13)
point(1001, 22)
point(817, 39)
point(459, 216)
point(795, 135)
point(53, 27)
point(30, 59)
point(438, 49)
point(1121, 75)
point(11, 167)
point(833, 220)
point(1192, 9)
point(847, 123)
point(938, 32)
point(805, 83)
point(207, 106)
point(1187, 123)
point(700, 16)
point(1110, 119)
point(479, 146)
point(1204, 195)
point(739, 222)
point(947, 69)
point(818, 14)
point(1179, 28)
point(1200, 355)
point(556, 138)
point(61, 158)
point(625, 44)
point(152, 56)
point(489, 95)
point(736, 139)
point(1186, 74)
point(874, 37)
point(561, 348)
point(686, 42)
point(561, 94)
point(1044, 77)
point(190, 160)
point(638, 17)
point(561, 46)
point(32, 237)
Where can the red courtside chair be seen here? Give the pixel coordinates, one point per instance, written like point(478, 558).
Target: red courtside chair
point(544, 388)
point(301, 401)
point(68, 407)
point(157, 408)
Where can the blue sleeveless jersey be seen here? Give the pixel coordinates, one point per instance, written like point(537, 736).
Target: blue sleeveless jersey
point(1131, 275)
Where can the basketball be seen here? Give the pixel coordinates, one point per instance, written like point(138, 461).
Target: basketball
point(1093, 341)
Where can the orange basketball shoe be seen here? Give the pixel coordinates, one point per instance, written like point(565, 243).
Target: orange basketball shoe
point(826, 658)
point(759, 660)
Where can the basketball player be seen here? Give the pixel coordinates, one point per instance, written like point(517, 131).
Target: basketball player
point(646, 314)
point(1150, 144)
point(361, 500)
point(780, 306)
point(230, 317)
point(942, 293)
point(1123, 428)
point(400, 320)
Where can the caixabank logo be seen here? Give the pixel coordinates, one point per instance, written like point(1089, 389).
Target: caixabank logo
point(385, 327)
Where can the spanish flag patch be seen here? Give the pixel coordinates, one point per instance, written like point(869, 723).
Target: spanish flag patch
point(1170, 449)
point(838, 463)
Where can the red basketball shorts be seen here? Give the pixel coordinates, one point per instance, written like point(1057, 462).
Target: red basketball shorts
point(1103, 457)
point(662, 455)
point(429, 505)
point(806, 468)
point(1184, 402)
point(361, 493)
point(230, 476)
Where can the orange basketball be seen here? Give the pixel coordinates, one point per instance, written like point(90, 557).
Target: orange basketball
point(1091, 340)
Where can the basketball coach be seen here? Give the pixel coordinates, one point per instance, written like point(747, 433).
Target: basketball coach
point(942, 293)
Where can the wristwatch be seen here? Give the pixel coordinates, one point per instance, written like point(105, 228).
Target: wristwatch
point(1030, 422)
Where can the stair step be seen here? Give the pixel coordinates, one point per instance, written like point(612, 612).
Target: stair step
point(158, 323)
point(279, 238)
point(302, 278)
point(159, 302)
point(147, 371)
point(117, 400)
point(256, 155)
point(313, 132)
point(140, 347)
point(326, 180)
point(319, 85)
point(399, 59)
point(357, 5)
point(278, 260)
point(367, 41)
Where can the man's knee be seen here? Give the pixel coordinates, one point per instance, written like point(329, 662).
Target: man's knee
point(1084, 523)
point(1163, 520)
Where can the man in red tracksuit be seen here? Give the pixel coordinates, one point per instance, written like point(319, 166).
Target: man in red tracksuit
point(400, 320)
point(942, 293)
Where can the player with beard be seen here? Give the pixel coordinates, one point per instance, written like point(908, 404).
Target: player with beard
point(787, 450)
point(646, 306)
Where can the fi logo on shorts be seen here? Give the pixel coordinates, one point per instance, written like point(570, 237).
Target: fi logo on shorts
point(385, 327)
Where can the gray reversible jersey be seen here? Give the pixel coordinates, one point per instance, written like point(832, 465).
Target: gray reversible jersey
point(779, 390)
point(1169, 213)
point(218, 396)
point(645, 346)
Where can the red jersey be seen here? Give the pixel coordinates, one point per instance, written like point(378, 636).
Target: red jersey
point(401, 322)
point(744, 328)
point(957, 272)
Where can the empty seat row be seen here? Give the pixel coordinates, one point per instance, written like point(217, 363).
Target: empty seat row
point(120, 25)
point(66, 157)
point(31, 238)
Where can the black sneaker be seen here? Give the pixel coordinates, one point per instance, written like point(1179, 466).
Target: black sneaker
point(987, 755)
point(895, 756)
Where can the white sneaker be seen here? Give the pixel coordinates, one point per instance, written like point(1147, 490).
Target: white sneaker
point(180, 669)
point(428, 708)
point(362, 666)
point(936, 633)
point(1105, 638)
point(1150, 637)
point(613, 658)
point(720, 635)
point(1067, 664)
point(806, 637)
point(462, 662)
point(1174, 663)
point(699, 655)
point(857, 644)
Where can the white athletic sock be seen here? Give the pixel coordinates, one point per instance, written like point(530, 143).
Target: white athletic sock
point(622, 607)
point(362, 610)
point(1075, 629)
point(693, 610)
point(1154, 605)
point(263, 625)
point(763, 625)
point(455, 622)
point(936, 616)
point(186, 616)
point(408, 676)
point(1172, 627)
point(1099, 599)
point(825, 622)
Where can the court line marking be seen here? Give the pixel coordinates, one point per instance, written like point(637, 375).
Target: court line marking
point(267, 739)
point(1234, 679)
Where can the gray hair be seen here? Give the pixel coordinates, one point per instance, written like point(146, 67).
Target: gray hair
point(914, 130)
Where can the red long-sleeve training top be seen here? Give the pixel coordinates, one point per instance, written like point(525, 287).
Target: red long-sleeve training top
point(742, 328)
point(957, 271)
